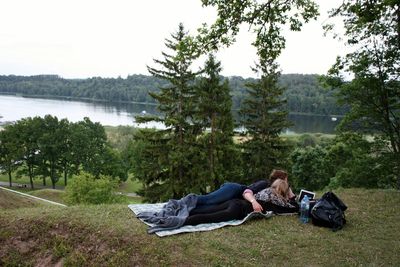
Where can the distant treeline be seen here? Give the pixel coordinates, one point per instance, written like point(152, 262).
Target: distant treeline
point(303, 92)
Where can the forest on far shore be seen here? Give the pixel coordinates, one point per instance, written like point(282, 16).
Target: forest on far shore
point(304, 93)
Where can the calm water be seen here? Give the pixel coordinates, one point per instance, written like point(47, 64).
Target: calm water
point(13, 108)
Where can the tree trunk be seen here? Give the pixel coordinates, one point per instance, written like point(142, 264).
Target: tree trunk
point(398, 24)
point(398, 182)
point(398, 43)
point(212, 149)
point(9, 178)
point(30, 176)
point(398, 173)
point(52, 178)
point(65, 177)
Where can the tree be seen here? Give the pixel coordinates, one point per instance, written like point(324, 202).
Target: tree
point(214, 113)
point(30, 130)
point(65, 145)
point(112, 164)
point(150, 164)
point(176, 101)
point(50, 146)
point(79, 146)
point(11, 153)
point(373, 95)
point(89, 150)
point(353, 161)
point(308, 169)
point(265, 18)
point(264, 119)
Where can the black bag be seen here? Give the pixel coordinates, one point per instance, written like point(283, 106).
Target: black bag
point(329, 212)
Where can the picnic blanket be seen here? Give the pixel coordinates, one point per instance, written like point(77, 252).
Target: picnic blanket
point(138, 208)
point(173, 214)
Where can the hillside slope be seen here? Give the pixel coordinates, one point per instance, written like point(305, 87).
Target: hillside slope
point(10, 200)
point(50, 194)
point(109, 235)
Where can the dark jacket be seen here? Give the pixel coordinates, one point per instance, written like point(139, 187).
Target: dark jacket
point(258, 186)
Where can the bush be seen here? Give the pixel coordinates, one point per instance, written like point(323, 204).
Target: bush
point(85, 189)
point(308, 168)
point(351, 162)
point(306, 140)
point(348, 160)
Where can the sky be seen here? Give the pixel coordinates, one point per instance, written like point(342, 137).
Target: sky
point(87, 38)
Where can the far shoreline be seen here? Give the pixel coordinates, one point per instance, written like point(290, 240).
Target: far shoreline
point(93, 100)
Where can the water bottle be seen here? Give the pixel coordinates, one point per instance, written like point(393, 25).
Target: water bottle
point(304, 209)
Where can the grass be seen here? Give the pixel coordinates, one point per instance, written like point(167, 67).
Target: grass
point(59, 196)
point(119, 137)
point(295, 138)
point(49, 194)
point(131, 185)
point(25, 180)
point(9, 200)
point(109, 235)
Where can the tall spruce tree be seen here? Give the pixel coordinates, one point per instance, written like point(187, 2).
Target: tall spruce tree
point(264, 118)
point(214, 112)
point(174, 147)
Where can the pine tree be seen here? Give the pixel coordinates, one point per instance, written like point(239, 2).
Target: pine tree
point(214, 112)
point(174, 147)
point(264, 119)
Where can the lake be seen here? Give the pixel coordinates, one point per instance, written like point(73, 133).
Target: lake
point(13, 108)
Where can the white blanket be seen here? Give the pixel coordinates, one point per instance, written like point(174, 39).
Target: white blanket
point(137, 208)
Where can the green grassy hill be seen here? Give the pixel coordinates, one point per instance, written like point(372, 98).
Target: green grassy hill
point(50, 194)
point(110, 235)
point(9, 200)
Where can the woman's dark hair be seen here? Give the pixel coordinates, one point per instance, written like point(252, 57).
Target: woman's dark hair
point(277, 174)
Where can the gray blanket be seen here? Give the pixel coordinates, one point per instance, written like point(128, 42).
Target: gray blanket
point(138, 208)
point(171, 216)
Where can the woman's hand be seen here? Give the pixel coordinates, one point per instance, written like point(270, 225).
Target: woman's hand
point(256, 206)
point(290, 194)
point(249, 196)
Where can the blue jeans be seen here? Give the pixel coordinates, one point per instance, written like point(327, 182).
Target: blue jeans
point(227, 191)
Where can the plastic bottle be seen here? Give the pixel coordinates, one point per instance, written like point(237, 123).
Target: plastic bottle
point(304, 209)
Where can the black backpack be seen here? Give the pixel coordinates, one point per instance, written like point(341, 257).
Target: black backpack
point(328, 211)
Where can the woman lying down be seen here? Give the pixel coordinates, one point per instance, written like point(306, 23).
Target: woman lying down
point(274, 198)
